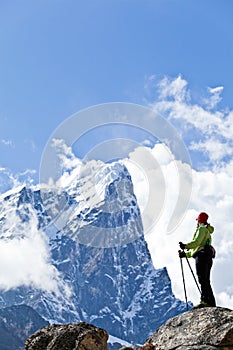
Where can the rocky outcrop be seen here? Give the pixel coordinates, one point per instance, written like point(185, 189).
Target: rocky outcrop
point(201, 329)
point(75, 336)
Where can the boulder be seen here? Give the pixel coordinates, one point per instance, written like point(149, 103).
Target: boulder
point(74, 336)
point(209, 328)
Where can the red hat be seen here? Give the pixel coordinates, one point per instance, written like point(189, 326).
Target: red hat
point(202, 217)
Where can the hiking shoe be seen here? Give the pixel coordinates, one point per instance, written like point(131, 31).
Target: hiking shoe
point(200, 305)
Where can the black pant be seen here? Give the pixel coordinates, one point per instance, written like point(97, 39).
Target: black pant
point(203, 266)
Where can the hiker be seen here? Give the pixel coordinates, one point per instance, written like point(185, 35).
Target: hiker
point(203, 252)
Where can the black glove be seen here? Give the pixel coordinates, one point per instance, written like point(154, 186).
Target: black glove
point(182, 245)
point(181, 254)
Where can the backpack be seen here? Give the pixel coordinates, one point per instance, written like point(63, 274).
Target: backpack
point(209, 249)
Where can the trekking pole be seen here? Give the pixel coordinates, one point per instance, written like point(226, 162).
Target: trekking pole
point(185, 294)
point(192, 273)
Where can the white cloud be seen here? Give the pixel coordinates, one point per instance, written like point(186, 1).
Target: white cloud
point(24, 256)
point(68, 161)
point(8, 180)
point(173, 88)
point(214, 97)
point(8, 143)
point(213, 148)
point(175, 103)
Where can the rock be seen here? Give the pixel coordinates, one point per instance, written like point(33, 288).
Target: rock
point(74, 336)
point(201, 329)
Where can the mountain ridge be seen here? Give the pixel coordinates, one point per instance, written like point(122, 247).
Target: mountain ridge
point(17, 322)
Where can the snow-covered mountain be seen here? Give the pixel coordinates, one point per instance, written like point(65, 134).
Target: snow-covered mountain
point(99, 261)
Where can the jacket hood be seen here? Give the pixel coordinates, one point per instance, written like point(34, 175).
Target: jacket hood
point(210, 228)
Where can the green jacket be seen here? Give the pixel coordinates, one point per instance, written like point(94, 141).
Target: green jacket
point(202, 236)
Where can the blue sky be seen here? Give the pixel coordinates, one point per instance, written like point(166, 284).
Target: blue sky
point(58, 57)
point(174, 56)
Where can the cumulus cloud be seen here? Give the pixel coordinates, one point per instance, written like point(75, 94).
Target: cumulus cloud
point(201, 119)
point(24, 254)
point(176, 89)
point(213, 148)
point(69, 163)
point(211, 192)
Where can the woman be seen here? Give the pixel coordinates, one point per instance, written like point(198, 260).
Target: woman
point(201, 250)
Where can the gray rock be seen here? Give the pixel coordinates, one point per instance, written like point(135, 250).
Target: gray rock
point(201, 329)
point(75, 336)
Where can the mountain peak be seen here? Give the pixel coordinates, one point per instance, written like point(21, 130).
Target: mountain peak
point(96, 247)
